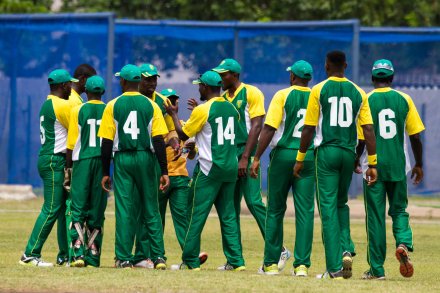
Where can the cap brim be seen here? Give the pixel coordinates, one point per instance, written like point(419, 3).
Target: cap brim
point(220, 70)
point(74, 80)
point(118, 74)
point(197, 81)
point(149, 75)
point(288, 69)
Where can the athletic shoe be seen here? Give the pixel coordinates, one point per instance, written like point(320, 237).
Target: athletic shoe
point(78, 262)
point(329, 275)
point(203, 257)
point(34, 262)
point(271, 270)
point(229, 267)
point(347, 265)
point(183, 266)
point(126, 264)
point(284, 257)
point(406, 267)
point(63, 262)
point(367, 275)
point(160, 264)
point(301, 271)
point(144, 264)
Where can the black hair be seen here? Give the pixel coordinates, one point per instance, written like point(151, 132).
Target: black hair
point(84, 70)
point(337, 59)
point(388, 79)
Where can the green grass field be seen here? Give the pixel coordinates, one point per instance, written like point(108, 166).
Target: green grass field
point(17, 219)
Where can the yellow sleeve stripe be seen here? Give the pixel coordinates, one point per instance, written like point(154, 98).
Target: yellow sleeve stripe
point(364, 117)
point(313, 106)
point(73, 133)
point(414, 123)
point(255, 99)
point(159, 126)
point(197, 120)
point(108, 127)
point(276, 108)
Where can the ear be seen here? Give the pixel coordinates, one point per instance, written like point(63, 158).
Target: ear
point(345, 65)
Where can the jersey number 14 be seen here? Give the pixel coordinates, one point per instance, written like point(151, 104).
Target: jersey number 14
point(226, 133)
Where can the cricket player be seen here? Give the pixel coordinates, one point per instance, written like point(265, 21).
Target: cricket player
point(335, 106)
point(88, 199)
point(394, 113)
point(82, 73)
point(214, 125)
point(282, 130)
point(133, 127)
point(54, 123)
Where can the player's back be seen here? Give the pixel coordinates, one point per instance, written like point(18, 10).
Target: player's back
point(88, 144)
point(293, 103)
point(340, 102)
point(389, 109)
point(133, 114)
point(217, 141)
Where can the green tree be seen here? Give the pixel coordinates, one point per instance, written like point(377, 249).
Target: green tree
point(27, 6)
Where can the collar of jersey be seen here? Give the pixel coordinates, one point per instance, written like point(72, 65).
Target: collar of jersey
point(131, 94)
point(382, 90)
point(53, 97)
point(334, 78)
point(95, 102)
point(216, 99)
point(240, 87)
point(300, 88)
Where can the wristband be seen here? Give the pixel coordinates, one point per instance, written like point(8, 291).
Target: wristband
point(300, 156)
point(372, 160)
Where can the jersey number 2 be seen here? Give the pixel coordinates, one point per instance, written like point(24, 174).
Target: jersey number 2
point(225, 133)
point(301, 115)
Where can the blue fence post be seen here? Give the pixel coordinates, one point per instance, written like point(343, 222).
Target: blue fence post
point(356, 50)
point(110, 55)
point(12, 170)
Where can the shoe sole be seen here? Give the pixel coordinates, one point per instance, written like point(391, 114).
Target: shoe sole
point(347, 267)
point(239, 269)
point(28, 264)
point(77, 264)
point(300, 275)
point(161, 267)
point(406, 267)
point(203, 257)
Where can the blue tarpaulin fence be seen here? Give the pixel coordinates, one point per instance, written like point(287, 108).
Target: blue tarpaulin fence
point(33, 45)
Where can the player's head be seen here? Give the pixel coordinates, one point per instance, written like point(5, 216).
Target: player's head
point(148, 83)
point(130, 77)
point(60, 83)
point(210, 84)
point(171, 95)
point(95, 87)
point(335, 62)
point(82, 72)
point(229, 70)
point(301, 72)
point(382, 73)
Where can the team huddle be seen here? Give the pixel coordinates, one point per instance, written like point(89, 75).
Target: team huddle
point(319, 136)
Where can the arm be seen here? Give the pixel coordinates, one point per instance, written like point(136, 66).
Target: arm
point(256, 126)
point(265, 138)
point(106, 156)
point(370, 143)
point(359, 151)
point(417, 148)
point(161, 155)
point(178, 127)
point(306, 138)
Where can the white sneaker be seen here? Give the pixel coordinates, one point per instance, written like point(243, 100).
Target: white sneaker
point(225, 267)
point(34, 262)
point(284, 257)
point(145, 264)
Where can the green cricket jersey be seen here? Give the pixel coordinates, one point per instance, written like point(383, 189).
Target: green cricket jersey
point(335, 106)
point(215, 125)
point(393, 113)
point(130, 121)
point(84, 124)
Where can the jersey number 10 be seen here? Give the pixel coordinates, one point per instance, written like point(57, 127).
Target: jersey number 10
point(341, 111)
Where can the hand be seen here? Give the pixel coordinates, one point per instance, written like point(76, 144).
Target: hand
point(177, 152)
point(298, 168)
point(371, 176)
point(357, 167)
point(255, 168)
point(67, 178)
point(164, 183)
point(106, 183)
point(417, 174)
point(192, 103)
point(172, 109)
point(242, 167)
point(190, 145)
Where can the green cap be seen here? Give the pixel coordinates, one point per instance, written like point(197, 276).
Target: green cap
point(60, 76)
point(95, 84)
point(228, 65)
point(169, 93)
point(382, 68)
point(210, 78)
point(302, 69)
point(130, 72)
point(148, 70)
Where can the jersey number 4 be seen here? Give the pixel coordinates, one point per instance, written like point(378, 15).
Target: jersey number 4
point(131, 125)
point(225, 133)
